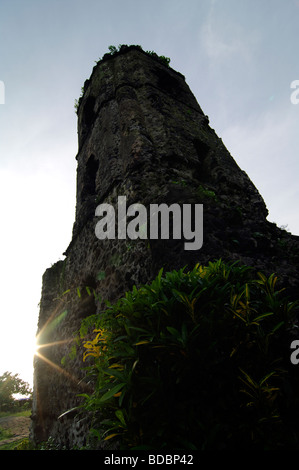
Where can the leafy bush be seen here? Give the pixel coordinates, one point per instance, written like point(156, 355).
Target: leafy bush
point(113, 50)
point(194, 360)
point(11, 384)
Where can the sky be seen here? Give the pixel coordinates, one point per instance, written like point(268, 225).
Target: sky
point(239, 58)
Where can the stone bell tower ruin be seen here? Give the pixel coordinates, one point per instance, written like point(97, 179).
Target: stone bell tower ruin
point(141, 134)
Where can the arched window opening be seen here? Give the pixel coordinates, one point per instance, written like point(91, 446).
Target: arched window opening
point(89, 182)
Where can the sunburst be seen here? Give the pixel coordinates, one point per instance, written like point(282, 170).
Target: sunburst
point(42, 353)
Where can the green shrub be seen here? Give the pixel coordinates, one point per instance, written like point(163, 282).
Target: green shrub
point(194, 360)
point(206, 193)
point(114, 50)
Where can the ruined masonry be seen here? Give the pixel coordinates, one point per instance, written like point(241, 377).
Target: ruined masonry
point(141, 134)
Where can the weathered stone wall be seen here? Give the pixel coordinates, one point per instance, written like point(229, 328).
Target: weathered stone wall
point(141, 135)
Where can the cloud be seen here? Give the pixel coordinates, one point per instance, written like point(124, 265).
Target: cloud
point(224, 39)
point(264, 148)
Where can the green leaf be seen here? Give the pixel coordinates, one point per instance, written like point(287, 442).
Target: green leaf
point(115, 373)
point(277, 327)
point(160, 274)
point(95, 433)
point(263, 278)
point(84, 395)
point(119, 414)
point(249, 380)
point(101, 275)
point(69, 411)
point(88, 290)
point(237, 315)
point(110, 436)
point(264, 379)
point(112, 392)
point(261, 317)
point(66, 291)
point(173, 331)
